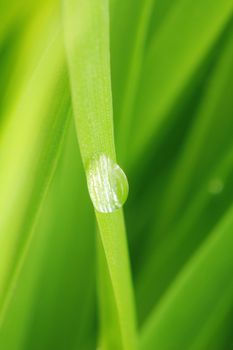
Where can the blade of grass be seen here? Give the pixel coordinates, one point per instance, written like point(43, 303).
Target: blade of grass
point(200, 286)
point(133, 75)
point(29, 146)
point(169, 255)
point(172, 59)
point(56, 285)
point(202, 158)
point(63, 311)
point(163, 156)
point(108, 315)
point(215, 323)
point(208, 139)
point(32, 30)
point(87, 42)
point(12, 12)
point(130, 24)
point(123, 32)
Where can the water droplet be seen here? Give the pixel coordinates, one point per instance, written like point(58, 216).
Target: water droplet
point(215, 186)
point(107, 184)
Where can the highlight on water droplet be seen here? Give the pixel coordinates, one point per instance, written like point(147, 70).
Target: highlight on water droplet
point(107, 184)
point(215, 186)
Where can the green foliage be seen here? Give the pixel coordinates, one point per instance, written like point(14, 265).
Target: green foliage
point(148, 84)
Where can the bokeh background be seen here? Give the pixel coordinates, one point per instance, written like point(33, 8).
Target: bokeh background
point(172, 86)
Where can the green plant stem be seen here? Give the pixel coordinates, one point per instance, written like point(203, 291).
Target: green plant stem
point(87, 43)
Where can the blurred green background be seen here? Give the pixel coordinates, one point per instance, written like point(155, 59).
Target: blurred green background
point(172, 86)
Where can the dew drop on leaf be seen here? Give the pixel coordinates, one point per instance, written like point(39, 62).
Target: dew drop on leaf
point(107, 184)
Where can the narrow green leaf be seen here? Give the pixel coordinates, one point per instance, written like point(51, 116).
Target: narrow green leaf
point(35, 28)
point(200, 286)
point(87, 42)
point(200, 189)
point(134, 71)
point(57, 313)
point(108, 314)
point(208, 139)
point(171, 253)
point(30, 140)
point(176, 52)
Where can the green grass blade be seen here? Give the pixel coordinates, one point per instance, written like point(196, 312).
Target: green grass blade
point(179, 47)
point(162, 71)
point(209, 136)
point(34, 29)
point(205, 159)
point(29, 146)
point(200, 286)
point(216, 323)
point(57, 313)
point(12, 12)
point(87, 45)
point(108, 314)
point(169, 255)
point(87, 42)
point(138, 39)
